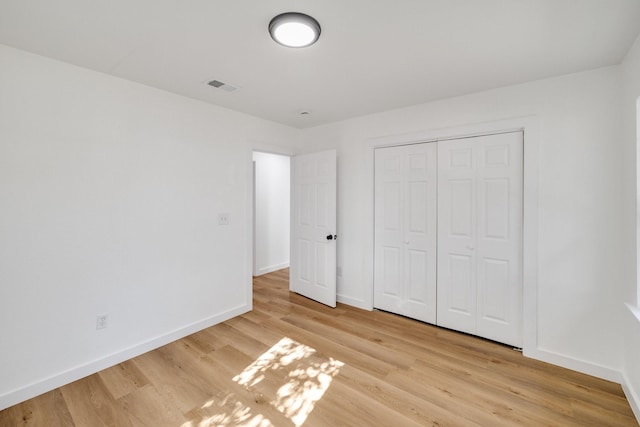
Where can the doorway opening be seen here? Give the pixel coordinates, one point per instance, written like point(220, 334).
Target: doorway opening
point(271, 212)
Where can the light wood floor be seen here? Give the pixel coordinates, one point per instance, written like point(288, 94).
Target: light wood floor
point(294, 362)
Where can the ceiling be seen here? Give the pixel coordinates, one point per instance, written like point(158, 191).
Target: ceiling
point(372, 56)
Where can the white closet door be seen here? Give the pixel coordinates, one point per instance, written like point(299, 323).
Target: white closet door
point(388, 246)
point(480, 236)
point(500, 238)
point(405, 230)
point(457, 201)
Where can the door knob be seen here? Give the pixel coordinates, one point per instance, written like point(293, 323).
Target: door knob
point(332, 237)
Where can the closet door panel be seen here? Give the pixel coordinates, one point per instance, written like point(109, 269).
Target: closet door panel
point(456, 306)
point(460, 271)
point(500, 237)
point(417, 274)
point(391, 283)
point(480, 236)
point(420, 232)
point(389, 198)
point(494, 290)
point(406, 230)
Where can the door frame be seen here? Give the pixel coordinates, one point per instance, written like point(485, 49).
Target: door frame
point(250, 203)
point(254, 192)
point(250, 217)
point(529, 125)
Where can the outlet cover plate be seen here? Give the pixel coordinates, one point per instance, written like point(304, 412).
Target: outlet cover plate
point(223, 219)
point(101, 321)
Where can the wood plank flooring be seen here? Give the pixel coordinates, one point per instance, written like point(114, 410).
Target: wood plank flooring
point(294, 362)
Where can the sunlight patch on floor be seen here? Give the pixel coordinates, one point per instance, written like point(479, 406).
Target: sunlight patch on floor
point(307, 377)
point(281, 355)
point(229, 412)
point(306, 386)
point(307, 380)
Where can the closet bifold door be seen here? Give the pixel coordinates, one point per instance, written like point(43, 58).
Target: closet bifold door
point(406, 230)
point(480, 236)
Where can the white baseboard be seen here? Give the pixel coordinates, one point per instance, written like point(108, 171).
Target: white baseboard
point(632, 397)
point(574, 364)
point(47, 384)
point(632, 392)
point(594, 370)
point(272, 268)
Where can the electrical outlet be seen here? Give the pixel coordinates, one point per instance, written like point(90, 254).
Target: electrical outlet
point(223, 219)
point(101, 322)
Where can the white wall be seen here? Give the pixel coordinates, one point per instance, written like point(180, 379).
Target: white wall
point(272, 194)
point(579, 283)
point(109, 195)
point(630, 218)
point(110, 191)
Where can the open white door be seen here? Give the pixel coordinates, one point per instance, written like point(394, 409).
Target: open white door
point(313, 227)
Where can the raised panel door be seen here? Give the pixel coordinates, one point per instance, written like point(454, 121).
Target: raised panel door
point(499, 243)
point(457, 199)
point(405, 230)
point(313, 257)
point(480, 236)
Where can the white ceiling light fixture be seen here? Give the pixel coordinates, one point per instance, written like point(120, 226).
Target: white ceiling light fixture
point(293, 29)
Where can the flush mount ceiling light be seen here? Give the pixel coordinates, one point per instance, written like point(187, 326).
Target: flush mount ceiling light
point(293, 29)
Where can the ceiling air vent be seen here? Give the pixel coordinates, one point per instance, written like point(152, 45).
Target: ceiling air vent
point(222, 85)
